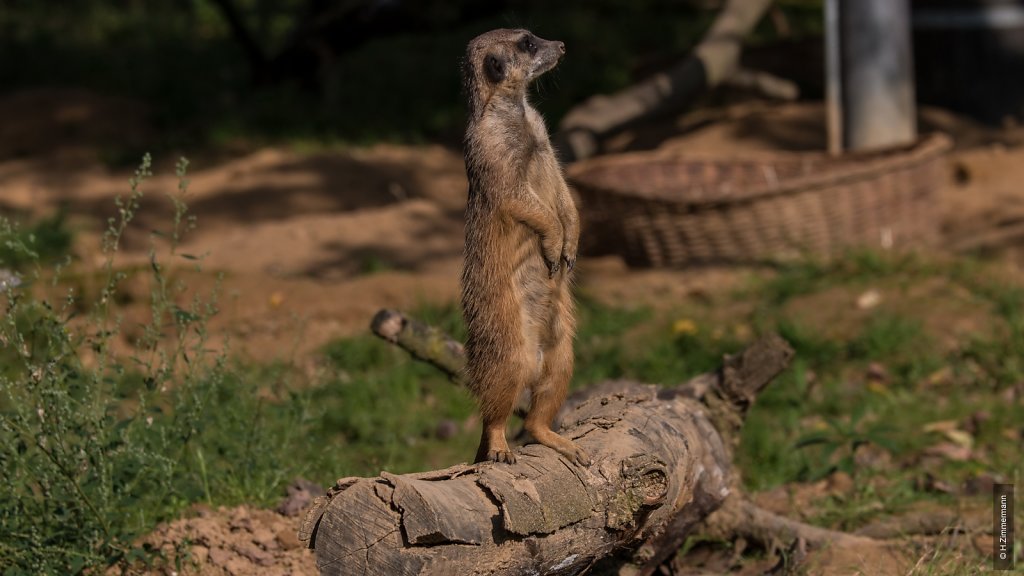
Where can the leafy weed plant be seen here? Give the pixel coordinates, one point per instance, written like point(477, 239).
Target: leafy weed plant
point(99, 441)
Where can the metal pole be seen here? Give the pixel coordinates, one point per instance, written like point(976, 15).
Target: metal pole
point(833, 79)
point(878, 73)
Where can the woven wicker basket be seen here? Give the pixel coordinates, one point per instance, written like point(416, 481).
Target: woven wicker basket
point(670, 208)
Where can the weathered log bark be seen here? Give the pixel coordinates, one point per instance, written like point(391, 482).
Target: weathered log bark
point(662, 464)
point(654, 461)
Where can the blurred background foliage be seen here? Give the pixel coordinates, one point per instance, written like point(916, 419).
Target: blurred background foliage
point(218, 71)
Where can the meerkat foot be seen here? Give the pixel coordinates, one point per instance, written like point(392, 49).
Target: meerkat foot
point(494, 448)
point(572, 452)
point(566, 448)
point(506, 456)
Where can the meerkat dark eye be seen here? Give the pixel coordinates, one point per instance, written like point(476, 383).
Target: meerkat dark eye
point(494, 67)
point(526, 44)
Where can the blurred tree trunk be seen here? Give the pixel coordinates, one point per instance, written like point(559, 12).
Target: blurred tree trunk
point(243, 36)
point(712, 62)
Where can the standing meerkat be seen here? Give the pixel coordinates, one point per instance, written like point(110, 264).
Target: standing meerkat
point(522, 230)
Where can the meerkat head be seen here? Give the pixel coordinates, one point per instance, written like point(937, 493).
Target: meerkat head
point(504, 62)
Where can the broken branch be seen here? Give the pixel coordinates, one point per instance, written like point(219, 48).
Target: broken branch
point(423, 342)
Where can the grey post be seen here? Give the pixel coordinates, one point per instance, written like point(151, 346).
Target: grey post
point(877, 74)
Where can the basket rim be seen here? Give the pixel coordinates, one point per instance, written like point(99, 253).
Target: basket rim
point(853, 167)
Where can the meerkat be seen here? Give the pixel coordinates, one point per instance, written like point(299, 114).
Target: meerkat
point(522, 231)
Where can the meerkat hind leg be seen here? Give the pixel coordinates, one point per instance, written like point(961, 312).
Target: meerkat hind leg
point(493, 445)
point(547, 396)
point(497, 403)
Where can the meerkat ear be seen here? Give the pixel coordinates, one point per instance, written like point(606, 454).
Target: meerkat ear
point(494, 67)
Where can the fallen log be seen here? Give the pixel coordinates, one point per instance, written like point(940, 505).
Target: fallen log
point(662, 468)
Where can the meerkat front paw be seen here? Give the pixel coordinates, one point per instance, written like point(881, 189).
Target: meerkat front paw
point(570, 247)
point(552, 259)
point(553, 266)
point(570, 261)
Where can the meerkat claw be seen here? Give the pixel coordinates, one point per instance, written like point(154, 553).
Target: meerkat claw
point(581, 458)
point(575, 455)
point(553, 268)
point(505, 456)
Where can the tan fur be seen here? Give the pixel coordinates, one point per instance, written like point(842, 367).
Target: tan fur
point(522, 230)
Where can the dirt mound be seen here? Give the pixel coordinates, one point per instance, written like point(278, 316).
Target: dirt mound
point(232, 542)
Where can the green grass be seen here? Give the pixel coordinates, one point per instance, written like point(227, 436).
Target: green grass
point(382, 411)
point(802, 431)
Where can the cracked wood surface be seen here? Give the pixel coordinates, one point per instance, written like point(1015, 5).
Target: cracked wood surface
point(661, 465)
point(542, 515)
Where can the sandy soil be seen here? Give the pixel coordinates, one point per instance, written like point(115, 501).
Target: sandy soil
point(233, 542)
point(311, 244)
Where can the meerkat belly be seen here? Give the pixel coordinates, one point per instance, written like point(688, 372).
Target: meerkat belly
point(545, 179)
point(532, 285)
point(505, 275)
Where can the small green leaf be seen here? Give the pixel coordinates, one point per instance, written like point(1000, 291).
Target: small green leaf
point(812, 440)
point(184, 316)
